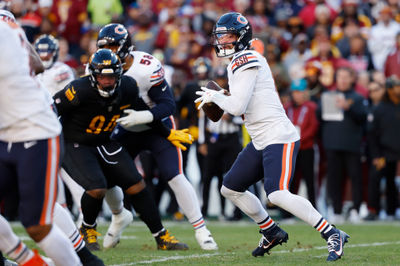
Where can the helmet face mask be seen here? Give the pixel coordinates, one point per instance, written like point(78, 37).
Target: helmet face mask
point(105, 71)
point(47, 47)
point(202, 68)
point(227, 26)
point(224, 48)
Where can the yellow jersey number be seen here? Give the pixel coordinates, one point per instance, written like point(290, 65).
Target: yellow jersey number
point(97, 123)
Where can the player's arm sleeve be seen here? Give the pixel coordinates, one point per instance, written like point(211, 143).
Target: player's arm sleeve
point(241, 89)
point(157, 125)
point(165, 104)
point(66, 99)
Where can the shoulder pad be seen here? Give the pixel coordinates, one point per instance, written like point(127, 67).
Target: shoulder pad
point(244, 60)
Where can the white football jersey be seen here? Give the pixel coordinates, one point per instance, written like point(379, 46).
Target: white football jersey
point(25, 113)
point(264, 115)
point(147, 71)
point(56, 77)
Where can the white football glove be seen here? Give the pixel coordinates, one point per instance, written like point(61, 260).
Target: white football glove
point(134, 118)
point(207, 96)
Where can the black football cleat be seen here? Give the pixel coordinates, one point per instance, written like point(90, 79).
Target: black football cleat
point(336, 243)
point(165, 241)
point(89, 259)
point(270, 238)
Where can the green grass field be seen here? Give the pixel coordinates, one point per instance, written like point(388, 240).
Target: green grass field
point(370, 244)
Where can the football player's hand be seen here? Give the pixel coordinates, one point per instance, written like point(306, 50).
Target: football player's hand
point(207, 96)
point(134, 118)
point(194, 131)
point(177, 137)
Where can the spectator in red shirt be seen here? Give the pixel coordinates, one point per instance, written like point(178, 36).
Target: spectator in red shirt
point(329, 58)
point(302, 113)
point(392, 64)
point(69, 16)
point(307, 14)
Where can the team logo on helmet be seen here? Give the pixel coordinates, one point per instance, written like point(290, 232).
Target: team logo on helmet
point(242, 20)
point(120, 29)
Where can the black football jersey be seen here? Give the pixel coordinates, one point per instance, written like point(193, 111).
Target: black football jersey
point(89, 118)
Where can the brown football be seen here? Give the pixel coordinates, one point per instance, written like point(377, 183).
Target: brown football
point(213, 111)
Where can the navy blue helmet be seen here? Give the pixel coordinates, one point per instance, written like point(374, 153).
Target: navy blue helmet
point(47, 48)
point(202, 68)
point(105, 62)
point(115, 36)
point(231, 23)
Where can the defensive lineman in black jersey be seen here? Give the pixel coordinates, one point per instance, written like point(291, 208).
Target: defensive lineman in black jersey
point(136, 137)
point(89, 108)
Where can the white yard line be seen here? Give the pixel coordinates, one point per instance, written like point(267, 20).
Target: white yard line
point(346, 246)
point(195, 256)
point(27, 238)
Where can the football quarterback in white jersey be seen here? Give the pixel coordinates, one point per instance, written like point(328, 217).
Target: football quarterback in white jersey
point(271, 155)
point(155, 91)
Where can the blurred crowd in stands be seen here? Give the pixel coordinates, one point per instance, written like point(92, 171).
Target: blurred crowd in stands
point(336, 65)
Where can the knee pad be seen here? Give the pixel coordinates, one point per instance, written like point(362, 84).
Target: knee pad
point(278, 196)
point(229, 193)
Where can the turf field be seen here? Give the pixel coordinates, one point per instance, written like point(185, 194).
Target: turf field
point(370, 244)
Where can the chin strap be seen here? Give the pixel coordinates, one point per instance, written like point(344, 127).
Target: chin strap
point(106, 94)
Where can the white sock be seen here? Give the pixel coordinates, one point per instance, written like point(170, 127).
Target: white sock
point(186, 197)
point(59, 248)
point(114, 198)
point(11, 245)
point(75, 189)
point(63, 220)
point(247, 202)
point(296, 205)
